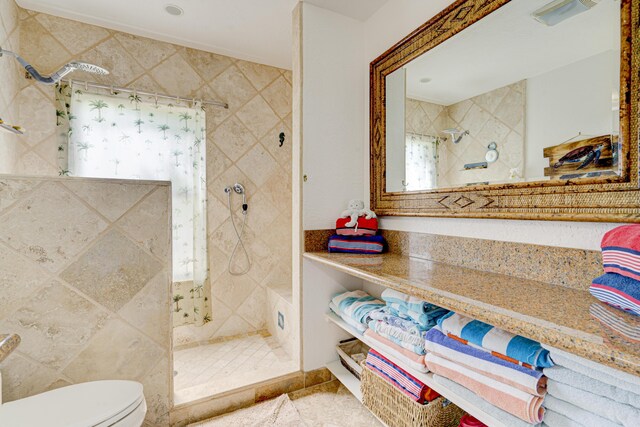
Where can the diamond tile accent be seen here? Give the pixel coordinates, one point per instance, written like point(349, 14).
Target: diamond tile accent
point(259, 75)
point(233, 138)
point(258, 165)
point(148, 223)
point(233, 290)
point(278, 96)
point(12, 190)
point(75, 36)
point(55, 324)
point(101, 198)
point(110, 54)
point(112, 271)
point(20, 277)
point(175, 75)
point(208, 65)
point(135, 354)
point(50, 226)
point(147, 52)
point(257, 116)
point(233, 87)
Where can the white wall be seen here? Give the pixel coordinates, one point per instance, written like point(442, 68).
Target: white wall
point(390, 24)
point(558, 107)
point(332, 91)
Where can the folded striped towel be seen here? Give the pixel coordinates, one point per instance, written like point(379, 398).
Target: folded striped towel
point(622, 324)
point(504, 417)
point(407, 357)
point(408, 325)
point(348, 320)
point(425, 320)
point(523, 405)
point(500, 343)
point(356, 244)
point(528, 380)
point(618, 291)
point(621, 251)
point(357, 305)
point(412, 303)
point(414, 343)
point(399, 378)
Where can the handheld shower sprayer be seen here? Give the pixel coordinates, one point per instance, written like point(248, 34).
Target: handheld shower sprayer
point(456, 134)
point(238, 189)
point(58, 75)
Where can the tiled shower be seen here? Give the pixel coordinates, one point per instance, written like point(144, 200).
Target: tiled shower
point(242, 145)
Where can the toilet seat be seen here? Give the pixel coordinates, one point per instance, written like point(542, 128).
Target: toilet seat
point(91, 404)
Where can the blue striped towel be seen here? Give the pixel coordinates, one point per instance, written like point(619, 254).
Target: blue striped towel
point(618, 291)
point(357, 305)
point(426, 320)
point(496, 340)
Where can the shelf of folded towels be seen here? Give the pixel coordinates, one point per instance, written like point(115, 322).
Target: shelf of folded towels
point(493, 375)
point(570, 319)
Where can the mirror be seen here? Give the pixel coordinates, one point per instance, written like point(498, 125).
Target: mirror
point(529, 93)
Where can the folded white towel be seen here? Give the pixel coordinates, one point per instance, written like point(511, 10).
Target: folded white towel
point(553, 419)
point(618, 413)
point(583, 382)
point(577, 415)
point(595, 370)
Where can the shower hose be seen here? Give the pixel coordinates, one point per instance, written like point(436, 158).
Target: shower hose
point(239, 242)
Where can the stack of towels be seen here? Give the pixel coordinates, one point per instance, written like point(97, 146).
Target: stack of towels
point(502, 368)
point(584, 393)
point(400, 327)
point(409, 385)
point(620, 285)
point(355, 308)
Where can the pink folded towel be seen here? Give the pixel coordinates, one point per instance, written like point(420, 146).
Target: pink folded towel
point(621, 251)
point(410, 359)
point(510, 399)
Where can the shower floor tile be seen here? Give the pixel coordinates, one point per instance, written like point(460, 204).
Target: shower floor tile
point(210, 369)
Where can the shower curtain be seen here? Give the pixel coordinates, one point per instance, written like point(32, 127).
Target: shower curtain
point(421, 162)
point(111, 135)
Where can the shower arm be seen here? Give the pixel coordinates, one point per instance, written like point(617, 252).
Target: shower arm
point(50, 79)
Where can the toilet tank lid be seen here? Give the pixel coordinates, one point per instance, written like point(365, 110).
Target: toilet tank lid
point(78, 405)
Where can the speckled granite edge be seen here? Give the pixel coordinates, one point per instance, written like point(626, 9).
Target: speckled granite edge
point(573, 268)
point(8, 343)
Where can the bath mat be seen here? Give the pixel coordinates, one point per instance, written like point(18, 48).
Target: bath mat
point(277, 412)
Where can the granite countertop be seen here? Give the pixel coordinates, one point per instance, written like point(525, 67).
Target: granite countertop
point(8, 343)
point(554, 315)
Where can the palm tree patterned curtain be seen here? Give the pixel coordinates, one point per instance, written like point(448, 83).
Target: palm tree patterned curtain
point(123, 136)
point(421, 162)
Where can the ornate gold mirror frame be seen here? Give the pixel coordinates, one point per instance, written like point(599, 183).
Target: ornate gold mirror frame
point(597, 199)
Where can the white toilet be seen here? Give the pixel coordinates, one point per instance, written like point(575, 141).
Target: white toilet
point(92, 404)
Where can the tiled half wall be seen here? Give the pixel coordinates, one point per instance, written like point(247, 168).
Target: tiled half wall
point(85, 281)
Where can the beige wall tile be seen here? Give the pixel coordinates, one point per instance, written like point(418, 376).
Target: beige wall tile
point(112, 271)
point(75, 36)
point(20, 278)
point(118, 351)
point(147, 52)
point(55, 324)
point(50, 226)
point(22, 377)
point(101, 197)
point(148, 223)
point(257, 116)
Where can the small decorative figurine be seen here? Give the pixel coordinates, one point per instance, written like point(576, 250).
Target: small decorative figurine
point(355, 210)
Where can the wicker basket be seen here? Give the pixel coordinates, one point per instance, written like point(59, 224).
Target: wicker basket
point(348, 348)
point(397, 410)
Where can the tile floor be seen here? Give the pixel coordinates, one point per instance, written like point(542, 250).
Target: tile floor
point(210, 369)
point(325, 405)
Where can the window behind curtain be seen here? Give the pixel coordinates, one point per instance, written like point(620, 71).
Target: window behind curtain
point(124, 137)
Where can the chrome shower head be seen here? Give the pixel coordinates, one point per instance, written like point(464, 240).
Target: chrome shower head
point(58, 75)
point(238, 188)
point(456, 134)
point(89, 68)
